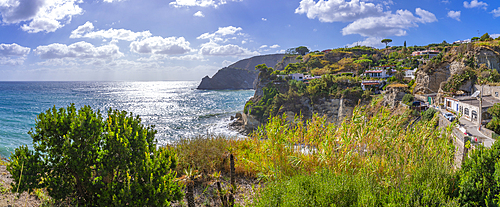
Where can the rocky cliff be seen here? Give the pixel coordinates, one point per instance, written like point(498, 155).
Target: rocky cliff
point(285, 61)
point(240, 75)
point(229, 78)
point(432, 77)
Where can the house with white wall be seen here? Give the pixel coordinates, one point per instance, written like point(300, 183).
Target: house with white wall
point(410, 74)
point(468, 106)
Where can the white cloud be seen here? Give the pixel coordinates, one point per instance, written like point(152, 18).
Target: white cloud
point(161, 46)
point(274, 46)
point(454, 15)
point(220, 33)
point(115, 34)
point(201, 3)
point(78, 32)
point(243, 42)
point(13, 54)
point(226, 63)
point(80, 50)
point(264, 19)
point(338, 10)
point(111, 1)
point(389, 24)
point(8, 50)
point(263, 46)
point(370, 41)
point(474, 4)
point(280, 51)
point(12, 61)
point(188, 57)
point(214, 49)
point(198, 14)
point(496, 12)
point(494, 36)
point(43, 15)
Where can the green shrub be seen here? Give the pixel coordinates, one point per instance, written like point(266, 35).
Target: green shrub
point(479, 177)
point(408, 98)
point(428, 114)
point(86, 159)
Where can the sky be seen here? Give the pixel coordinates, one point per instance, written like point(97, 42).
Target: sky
point(156, 40)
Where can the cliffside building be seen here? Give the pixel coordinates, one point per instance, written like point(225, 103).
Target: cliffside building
point(300, 77)
point(410, 74)
point(469, 106)
point(380, 73)
point(431, 53)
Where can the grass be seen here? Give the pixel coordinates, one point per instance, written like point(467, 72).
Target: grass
point(371, 157)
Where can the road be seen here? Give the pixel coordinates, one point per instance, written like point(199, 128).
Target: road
point(472, 128)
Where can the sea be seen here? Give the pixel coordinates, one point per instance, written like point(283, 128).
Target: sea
point(176, 108)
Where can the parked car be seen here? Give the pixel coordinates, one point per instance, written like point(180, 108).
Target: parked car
point(449, 116)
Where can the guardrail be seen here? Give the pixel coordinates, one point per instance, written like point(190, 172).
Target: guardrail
point(489, 133)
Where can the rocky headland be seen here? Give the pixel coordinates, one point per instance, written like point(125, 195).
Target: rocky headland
point(240, 75)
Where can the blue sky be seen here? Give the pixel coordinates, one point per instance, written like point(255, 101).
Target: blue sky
point(148, 40)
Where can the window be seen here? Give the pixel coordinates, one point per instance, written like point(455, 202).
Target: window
point(474, 116)
point(496, 94)
point(461, 110)
point(466, 112)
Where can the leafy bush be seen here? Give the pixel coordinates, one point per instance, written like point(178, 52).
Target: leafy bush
point(428, 114)
point(91, 161)
point(479, 177)
point(408, 98)
point(494, 124)
point(247, 105)
point(459, 79)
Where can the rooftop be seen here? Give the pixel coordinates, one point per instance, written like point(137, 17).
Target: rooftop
point(488, 101)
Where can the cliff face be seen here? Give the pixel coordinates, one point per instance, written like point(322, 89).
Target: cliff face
point(285, 61)
point(240, 75)
point(431, 79)
point(229, 78)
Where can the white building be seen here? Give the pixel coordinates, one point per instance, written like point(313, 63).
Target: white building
point(431, 53)
point(410, 74)
point(469, 106)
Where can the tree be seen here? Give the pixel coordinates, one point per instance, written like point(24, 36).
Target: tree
point(494, 124)
point(475, 39)
point(302, 50)
point(95, 161)
point(486, 37)
point(386, 41)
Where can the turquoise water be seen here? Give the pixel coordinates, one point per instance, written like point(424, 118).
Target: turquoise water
point(176, 108)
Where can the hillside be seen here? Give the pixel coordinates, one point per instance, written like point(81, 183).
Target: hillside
point(240, 75)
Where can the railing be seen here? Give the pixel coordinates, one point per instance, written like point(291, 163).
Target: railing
point(489, 133)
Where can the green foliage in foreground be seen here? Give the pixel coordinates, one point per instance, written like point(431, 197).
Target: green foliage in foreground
point(480, 177)
point(370, 160)
point(87, 160)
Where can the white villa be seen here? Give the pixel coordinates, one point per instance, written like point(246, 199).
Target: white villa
point(300, 77)
point(469, 106)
